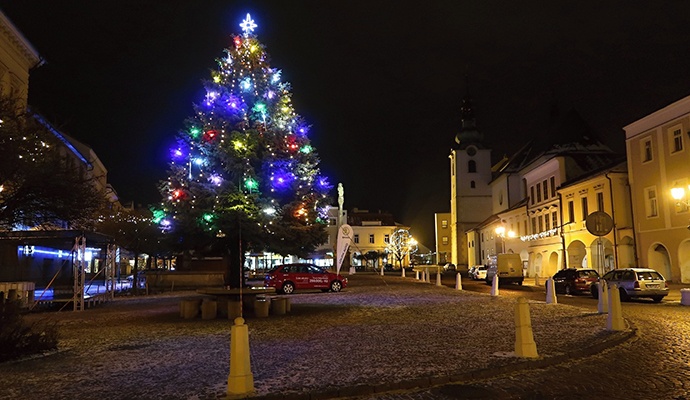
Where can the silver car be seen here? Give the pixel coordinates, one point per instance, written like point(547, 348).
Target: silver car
point(637, 283)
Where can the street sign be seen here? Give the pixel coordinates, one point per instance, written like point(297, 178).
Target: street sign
point(599, 223)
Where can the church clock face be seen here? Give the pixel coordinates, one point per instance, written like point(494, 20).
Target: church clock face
point(471, 151)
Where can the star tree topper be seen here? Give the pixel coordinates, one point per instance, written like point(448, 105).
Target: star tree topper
point(248, 25)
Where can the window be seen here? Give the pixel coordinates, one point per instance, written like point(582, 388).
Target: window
point(546, 190)
point(538, 192)
point(552, 185)
point(444, 240)
point(571, 211)
point(600, 201)
point(677, 140)
point(472, 185)
point(547, 222)
point(444, 224)
point(386, 238)
point(651, 202)
point(371, 238)
point(541, 223)
point(471, 166)
point(356, 238)
point(531, 194)
point(534, 225)
point(554, 219)
point(332, 221)
point(585, 209)
point(647, 150)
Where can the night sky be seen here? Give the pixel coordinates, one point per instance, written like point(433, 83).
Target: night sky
point(381, 82)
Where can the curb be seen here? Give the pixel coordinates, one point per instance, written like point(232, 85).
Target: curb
point(476, 375)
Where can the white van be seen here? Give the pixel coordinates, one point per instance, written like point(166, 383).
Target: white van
point(507, 266)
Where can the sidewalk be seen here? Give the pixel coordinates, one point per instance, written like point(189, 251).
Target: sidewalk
point(380, 334)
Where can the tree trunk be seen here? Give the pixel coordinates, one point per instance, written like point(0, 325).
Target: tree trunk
point(234, 262)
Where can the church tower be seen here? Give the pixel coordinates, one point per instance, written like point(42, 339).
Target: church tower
point(470, 175)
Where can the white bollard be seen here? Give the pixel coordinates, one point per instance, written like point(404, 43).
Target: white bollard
point(458, 282)
point(382, 270)
point(423, 276)
point(551, 297)
point(615, 320)
point(416, 275)
point(603, 304)
point(403, 272)
point(438, 279)
point(352, 270)
point(685, 297)
point(494, 286)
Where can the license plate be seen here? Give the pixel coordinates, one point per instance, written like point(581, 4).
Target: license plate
point(652, 286)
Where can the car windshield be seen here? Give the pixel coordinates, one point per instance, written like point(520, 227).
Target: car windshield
point(588, 274)
point(649, 276)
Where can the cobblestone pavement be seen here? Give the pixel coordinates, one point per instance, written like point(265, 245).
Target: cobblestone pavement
point(655, 364)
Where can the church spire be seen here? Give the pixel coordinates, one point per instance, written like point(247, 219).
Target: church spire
point(469, 134)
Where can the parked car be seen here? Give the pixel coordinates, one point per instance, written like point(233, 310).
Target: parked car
point(479, 272)
point(470, 271)
point(449, 267)
point(636, 283)
point(287, 278)
point(573, 280)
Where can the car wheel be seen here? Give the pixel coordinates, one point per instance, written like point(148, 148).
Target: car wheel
point(624, 294)
point(336, 286)
point(595, 291)
point(568, 290)
point(288, 288)
point(657, 299)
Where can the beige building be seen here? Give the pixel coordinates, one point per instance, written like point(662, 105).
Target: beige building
point(608, 191)
point(527, 205)
point(442, 233)
point(659, 160)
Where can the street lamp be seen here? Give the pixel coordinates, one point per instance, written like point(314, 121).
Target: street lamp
point(501, 232)
point(678, 193)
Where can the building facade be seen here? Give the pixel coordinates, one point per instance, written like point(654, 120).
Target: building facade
point(658, 161)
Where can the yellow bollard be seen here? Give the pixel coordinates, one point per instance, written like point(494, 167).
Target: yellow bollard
point(458, 282)
point(615, 320)
point(241, 379)
point(524, 338)
point(551, 297)
point(603, 304)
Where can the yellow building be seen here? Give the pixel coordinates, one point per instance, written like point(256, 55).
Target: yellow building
point(606, 190)
point(659, 160)
point(443, 238)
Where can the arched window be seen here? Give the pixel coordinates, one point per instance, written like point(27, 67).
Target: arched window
point(472, 184)
point(471, 166)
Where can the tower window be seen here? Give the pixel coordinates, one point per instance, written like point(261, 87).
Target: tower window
point(473, 185)
point(471, 166)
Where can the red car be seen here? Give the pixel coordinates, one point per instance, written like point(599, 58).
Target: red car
point(288, 277)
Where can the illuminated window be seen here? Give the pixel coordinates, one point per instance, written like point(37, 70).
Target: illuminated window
point(356, 238)
point(554, 219)
point(386, 238)
point(444, 223)
point(444, 240)
point(371, 238)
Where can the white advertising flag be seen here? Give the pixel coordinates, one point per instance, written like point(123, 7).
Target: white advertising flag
point(342, 245)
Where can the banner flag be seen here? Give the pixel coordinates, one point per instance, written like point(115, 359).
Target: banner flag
point(342, 244)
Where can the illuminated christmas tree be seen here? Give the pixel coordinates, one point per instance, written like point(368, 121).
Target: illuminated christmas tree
point(244, 176)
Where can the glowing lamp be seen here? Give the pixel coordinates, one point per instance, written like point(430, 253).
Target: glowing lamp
point(215, 179)
point(678, 192)
point(194, 132)
point(251, 184)
point(210, 135)
point(246, 84)
point(306, 149)
point(238, 41)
